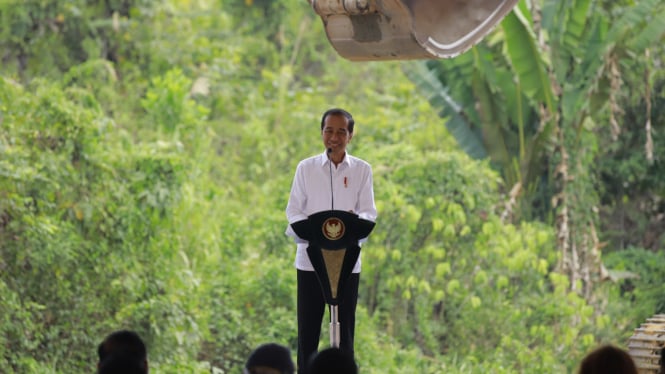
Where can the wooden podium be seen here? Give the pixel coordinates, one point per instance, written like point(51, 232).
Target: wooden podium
point(333, 249)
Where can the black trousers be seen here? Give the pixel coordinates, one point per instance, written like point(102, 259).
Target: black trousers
point(311, 306)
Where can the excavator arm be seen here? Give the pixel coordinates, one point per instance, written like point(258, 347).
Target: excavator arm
point(366, 30)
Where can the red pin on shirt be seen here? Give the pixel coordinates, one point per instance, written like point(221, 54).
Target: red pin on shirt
point(345, 182)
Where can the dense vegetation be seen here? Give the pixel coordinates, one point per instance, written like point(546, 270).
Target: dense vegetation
point(147, 150)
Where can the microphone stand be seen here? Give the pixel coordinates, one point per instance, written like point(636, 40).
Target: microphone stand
point(334, 327)
point(334, 315)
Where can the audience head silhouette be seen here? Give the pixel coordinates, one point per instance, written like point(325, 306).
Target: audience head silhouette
point(270, 358)
point(608, 359)
point(122, 363)
point(332, 361)
point(122, 352)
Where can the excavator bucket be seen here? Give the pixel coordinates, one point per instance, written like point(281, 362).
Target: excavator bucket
point(365, 30)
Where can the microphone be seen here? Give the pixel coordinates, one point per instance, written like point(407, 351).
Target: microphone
point(332, 194)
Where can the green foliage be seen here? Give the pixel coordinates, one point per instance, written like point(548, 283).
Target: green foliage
point(631, 184)
point(79, 30)
point(169, 106)
point(640, 274)
point(146, 155)
point(445, 266)
point(76, 220)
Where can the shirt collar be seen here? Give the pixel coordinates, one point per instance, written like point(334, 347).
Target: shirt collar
point(346, 160)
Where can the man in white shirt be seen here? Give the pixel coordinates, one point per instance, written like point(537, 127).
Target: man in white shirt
point(318, 185)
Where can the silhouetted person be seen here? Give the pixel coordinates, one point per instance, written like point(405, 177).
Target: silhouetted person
point(122, 352)
point(122, 363)
point(662, 361)
point(332, 361)
point(608, 359)
point(270, 358)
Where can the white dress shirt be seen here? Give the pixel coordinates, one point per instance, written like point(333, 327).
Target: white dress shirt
point(352, 191)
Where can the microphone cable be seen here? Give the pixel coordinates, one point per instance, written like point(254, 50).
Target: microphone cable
point(332, 194)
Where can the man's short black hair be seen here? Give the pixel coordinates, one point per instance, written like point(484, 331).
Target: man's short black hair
point(122, 363)
point(332, 360)
point(122, 351)
point(270, 356)
point(338, 111)
point(606, 359)
point(122, 341)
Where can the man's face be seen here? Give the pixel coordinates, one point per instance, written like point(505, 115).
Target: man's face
point(335, 133)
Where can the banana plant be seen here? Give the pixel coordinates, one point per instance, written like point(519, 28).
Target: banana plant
point(531, 98)
point(504, 98)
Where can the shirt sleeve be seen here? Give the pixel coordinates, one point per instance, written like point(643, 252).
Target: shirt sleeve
point(366, 208)
point(295, 209)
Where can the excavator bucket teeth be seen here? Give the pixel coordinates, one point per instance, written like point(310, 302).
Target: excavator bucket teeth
point(365, 30)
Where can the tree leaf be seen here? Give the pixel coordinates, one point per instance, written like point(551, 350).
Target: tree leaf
point(438, 96)
point(527, 60)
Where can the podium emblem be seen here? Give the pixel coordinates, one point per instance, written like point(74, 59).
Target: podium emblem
point(333, 228)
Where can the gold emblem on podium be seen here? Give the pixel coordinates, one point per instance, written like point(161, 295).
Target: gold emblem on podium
point(333, 228)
